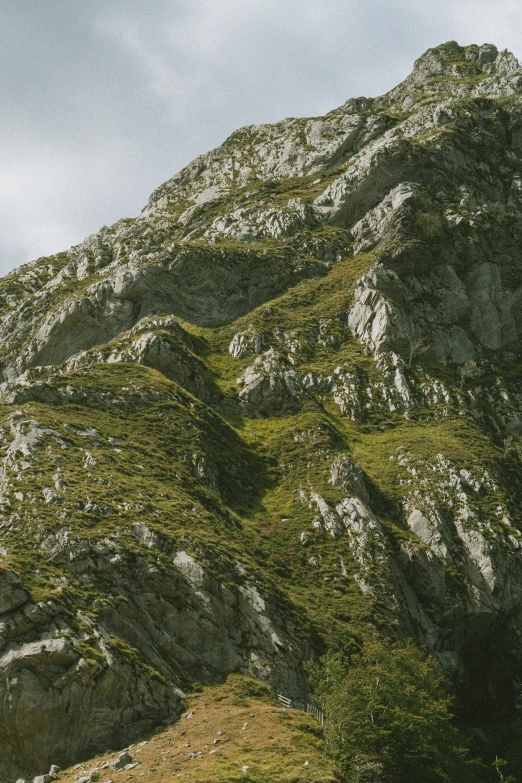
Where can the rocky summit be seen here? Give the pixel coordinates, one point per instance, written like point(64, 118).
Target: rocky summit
point(280, 405)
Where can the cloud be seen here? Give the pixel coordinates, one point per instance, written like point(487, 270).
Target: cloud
point(50, 190)
point(103, 101)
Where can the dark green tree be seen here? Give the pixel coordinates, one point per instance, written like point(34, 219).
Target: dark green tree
point(388, 716)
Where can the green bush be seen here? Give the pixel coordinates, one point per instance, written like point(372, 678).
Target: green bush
point(387, 715)
point(429, 224)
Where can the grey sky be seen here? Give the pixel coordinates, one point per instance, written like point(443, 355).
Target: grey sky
point(105, 99)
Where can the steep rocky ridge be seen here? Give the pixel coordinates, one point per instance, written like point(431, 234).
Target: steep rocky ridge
point(281, 403)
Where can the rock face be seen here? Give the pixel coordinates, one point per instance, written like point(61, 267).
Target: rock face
point(284, 399)
point(270, 386)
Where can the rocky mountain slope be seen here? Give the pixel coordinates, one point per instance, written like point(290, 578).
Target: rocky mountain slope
point(281, 403)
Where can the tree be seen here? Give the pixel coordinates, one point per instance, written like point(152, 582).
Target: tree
point(417, 346)
point(468, 371)
point(387, 715)
point(513, 439)
point(499, 764)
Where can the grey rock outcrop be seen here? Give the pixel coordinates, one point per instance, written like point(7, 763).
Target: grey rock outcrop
point(246, 343)
point(157, 342)
point(270, 386)
point(387, 313)
point(348, 475)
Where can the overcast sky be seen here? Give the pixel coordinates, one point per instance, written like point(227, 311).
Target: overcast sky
point(102, 100)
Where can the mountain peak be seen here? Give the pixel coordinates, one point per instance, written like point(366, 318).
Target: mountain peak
point(451, 70)
point(451, 59)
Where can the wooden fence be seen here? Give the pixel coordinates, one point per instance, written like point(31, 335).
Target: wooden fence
point(303, 706)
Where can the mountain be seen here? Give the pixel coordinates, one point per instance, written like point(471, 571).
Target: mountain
point(281, 405)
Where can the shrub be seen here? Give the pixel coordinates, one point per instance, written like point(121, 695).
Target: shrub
point(429, 224)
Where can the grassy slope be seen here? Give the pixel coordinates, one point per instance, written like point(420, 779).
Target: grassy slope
point(252, 730)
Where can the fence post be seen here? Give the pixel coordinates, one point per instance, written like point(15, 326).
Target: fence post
point(303, 707)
